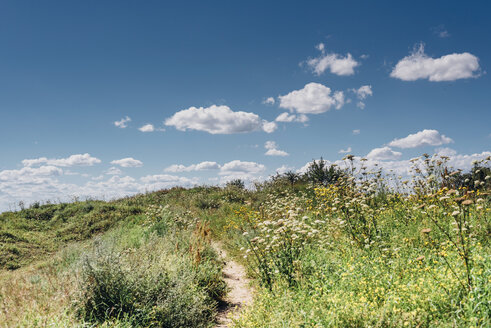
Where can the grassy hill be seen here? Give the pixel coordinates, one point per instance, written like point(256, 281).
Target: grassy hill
point(345, 252)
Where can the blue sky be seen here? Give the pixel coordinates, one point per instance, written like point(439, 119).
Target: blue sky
point(411, 77)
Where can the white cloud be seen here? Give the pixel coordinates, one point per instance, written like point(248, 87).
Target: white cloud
point(272, 149)
point(238, 166)
point(356, 131)
point(247, 171)
point(29, 174)
point(445, 151)
point(218, 120)
point(269, 127)
point(114, 171)
point(284, 168)
point(269, 101)
point(337, 64)
point(345, 151)
point(193, 167)
point(383, 154)
point(363, 91)
point(127, 162)
point(421, 138)
point(73, 160)
point(314, 98)
point(162, 181)
point(446, 68)
point(147, 128)
point(464, 162)
point(122, 123)
point(286, 117)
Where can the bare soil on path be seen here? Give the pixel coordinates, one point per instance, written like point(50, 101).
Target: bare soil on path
point(240, 293)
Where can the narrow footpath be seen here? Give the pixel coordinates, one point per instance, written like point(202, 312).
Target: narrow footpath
point(240, 293)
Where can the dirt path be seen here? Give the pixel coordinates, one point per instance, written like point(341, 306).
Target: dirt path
point(240, 294)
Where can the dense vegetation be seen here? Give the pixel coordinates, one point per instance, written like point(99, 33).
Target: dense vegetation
point(336, 247)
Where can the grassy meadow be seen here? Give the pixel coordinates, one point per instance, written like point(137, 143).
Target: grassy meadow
point(336, 247)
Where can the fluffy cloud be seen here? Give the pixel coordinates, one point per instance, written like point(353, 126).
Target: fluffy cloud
point(286, 117)
point(337, 64)
point(445, 151)
point(272, 149)
point(193, 167)
point(218, 120)
point(30, 174)
point(421, 138)
point(73, 160)
point(114, 171)
point(314, 98)
point(147, 128)
point(127, 162)
point(464, 162)
point(284, 168)
point(238, 166)
point(446, 68)
point(269, 101)
point(122, 123)
point(345, 151)
point(383, 153)
point(362, 93)
point(163, 181)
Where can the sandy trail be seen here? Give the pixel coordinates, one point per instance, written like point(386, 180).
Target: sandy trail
point(240, 294)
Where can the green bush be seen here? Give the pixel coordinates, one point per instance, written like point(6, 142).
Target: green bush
point(149, 286)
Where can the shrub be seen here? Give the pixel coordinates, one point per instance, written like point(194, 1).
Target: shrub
point(144, 294)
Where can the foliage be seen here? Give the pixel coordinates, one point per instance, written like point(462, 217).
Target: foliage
point(320, 173)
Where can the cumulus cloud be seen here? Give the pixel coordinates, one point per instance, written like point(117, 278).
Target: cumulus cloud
point(30, 174)
point(193, 167)
point(162, 181)
point(272, 149)
point(147, 128)
point(122, 123)
point(284, 168)
point(446, 68)
point(421, 138)
point(314, 98)
point(345, 151)
point(238, 166)
point(269, 127)
point(114, 171)
point(362, 93)
point(127, 162)
point(247, 171)
point(218, 120)
point(269, 101)
point(383, 154)
point(335, 63)
point(287, 118)
point(73, 160)
point(445, 151)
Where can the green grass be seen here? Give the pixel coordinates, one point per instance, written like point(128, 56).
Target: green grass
point(337, 256)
